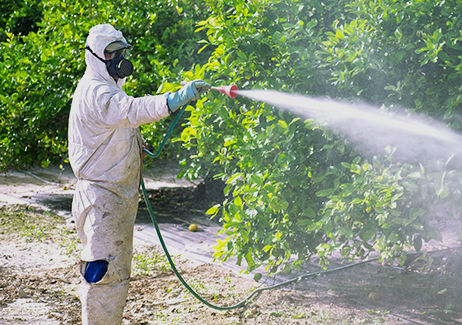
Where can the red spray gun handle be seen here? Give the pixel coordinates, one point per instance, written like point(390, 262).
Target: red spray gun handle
point(231, 91)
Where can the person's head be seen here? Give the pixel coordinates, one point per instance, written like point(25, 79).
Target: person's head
point(107, 45)
point(117, 65)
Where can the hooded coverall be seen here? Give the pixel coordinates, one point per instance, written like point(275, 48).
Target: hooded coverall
point(105, 154)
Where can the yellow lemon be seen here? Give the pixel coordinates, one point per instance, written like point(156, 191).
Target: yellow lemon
point(373, 296)
point(193, 227)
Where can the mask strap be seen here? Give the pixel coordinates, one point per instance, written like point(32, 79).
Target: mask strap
point(89, 49)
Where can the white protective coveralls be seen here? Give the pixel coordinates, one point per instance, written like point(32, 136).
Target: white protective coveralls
point(105, 154)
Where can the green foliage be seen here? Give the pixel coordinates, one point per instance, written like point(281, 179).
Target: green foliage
point(37, 86)
point(34, 225)
point(399, 53)
point(19, 17)
point(149, 261)
point(295, 189)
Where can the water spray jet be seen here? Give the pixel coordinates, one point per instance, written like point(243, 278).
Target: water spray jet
point(415, 136)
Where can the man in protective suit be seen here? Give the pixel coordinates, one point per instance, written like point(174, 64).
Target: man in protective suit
point(105, 152)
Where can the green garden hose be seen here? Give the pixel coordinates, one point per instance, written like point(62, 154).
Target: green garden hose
point(253, 293)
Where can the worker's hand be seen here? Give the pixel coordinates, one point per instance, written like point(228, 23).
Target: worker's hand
point(190, 92)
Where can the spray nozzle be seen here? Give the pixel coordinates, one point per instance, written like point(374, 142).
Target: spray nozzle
point(231, 91)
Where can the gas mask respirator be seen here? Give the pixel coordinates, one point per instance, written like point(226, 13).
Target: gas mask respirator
point(118, 67)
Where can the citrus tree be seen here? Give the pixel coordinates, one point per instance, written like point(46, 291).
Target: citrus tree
point(296, 188)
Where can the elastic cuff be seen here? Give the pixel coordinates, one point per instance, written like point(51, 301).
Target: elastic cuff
point(170, 112)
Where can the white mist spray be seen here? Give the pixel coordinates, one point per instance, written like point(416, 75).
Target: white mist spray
point(373, 128)
point(416, 139)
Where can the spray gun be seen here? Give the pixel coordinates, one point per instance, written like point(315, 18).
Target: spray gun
point(231, 90)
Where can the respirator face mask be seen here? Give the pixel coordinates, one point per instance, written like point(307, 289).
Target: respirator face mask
point(118, 66)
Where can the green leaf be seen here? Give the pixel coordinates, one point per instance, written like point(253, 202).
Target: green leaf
point(267, 248)
point(213, 210)
point(418, 243)
point(234, 178)
point(244, 235)
point(326, 192)
point(309, 213)
point(282, 124)
point(256, 179)
point(303, 222)
point(339, 34)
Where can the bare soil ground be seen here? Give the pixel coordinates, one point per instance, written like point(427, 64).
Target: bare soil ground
point(39, 278)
